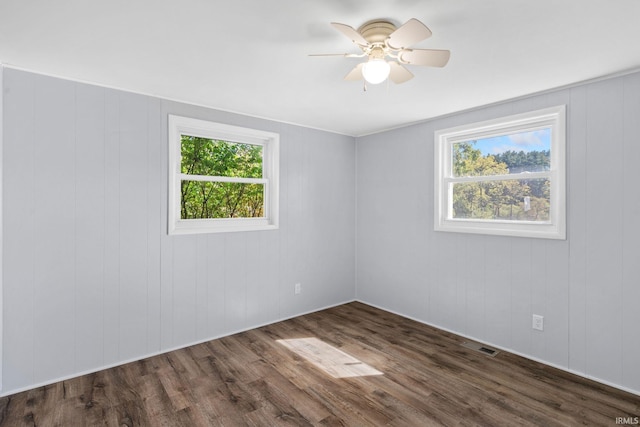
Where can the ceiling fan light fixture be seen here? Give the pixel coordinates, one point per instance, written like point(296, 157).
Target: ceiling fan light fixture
point(379, 39)
point(376, 70)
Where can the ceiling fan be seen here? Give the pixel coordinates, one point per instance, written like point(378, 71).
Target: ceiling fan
point(379, 39)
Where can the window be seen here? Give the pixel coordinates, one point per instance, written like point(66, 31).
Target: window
point(222, 178)
point(504, 176)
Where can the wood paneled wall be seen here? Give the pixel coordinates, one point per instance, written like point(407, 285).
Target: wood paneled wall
point(91, 277)
point(487, 287)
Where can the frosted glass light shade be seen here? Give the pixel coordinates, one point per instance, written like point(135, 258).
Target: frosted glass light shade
point(376, 71)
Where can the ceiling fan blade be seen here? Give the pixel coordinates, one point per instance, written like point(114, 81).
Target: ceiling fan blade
point(352, 34)
point(428, 57)
point(411, 32)
point(398, 73)
point(356, 73)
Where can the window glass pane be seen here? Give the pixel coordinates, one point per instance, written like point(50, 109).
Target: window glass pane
point(211, 157)
point(221, 200)
point(528, 151)
point(516, 200)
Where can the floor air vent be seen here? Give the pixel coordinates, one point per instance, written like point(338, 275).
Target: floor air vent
point(480, 348)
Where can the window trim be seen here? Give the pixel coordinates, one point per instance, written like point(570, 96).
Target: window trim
point(179, 125)
point(553, 118)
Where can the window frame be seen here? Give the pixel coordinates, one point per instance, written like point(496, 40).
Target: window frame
point(270, 141)
point(553, 118)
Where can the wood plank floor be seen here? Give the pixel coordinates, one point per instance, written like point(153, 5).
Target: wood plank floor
point(250, 378)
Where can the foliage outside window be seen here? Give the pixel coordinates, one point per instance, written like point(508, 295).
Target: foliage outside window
point(503, 176)
point(224, 178)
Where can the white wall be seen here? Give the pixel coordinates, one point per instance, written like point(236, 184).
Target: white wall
point(487, 287)
point(91, 277)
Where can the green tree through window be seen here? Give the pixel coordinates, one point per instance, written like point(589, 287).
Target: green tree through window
point(225, 197)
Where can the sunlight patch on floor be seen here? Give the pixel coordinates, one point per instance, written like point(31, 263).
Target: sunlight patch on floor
point(334, 362)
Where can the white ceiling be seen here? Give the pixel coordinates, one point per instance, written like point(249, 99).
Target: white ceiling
point(251, 56)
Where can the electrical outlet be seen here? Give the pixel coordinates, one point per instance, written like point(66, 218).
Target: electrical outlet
point(538, 322)
point(297, 288)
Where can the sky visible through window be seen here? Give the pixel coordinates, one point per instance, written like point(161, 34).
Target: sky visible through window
point(537, 140)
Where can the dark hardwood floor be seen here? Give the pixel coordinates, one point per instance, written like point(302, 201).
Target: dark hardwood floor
point(250, 378)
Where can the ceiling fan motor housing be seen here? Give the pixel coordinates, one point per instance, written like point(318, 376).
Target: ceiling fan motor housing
point(376, 31)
